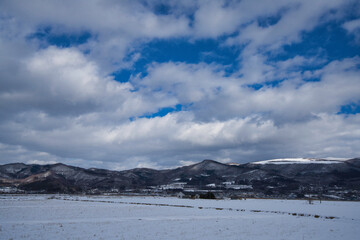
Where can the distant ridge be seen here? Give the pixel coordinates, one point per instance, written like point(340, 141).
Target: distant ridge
point(289, 177)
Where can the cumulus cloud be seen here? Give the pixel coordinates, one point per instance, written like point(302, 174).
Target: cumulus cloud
point(61, 103)
point(171, 139)
point(114, 25)
point(294, 18)
point(215, 96)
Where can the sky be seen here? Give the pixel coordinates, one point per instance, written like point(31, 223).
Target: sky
point(160, 84)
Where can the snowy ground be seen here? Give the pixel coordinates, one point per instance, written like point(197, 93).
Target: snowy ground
point(76, 217)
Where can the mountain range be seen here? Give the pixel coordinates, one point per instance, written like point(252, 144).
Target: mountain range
point(295, 178)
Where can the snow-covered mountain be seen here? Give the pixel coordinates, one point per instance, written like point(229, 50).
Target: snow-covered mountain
point(270, 178)
point(303, 161)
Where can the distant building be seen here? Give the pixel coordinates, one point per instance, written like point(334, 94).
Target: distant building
point(180, 195)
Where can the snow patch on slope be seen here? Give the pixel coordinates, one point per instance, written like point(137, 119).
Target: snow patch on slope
point(302, 161)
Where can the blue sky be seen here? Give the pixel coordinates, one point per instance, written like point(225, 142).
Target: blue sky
point(123, 84)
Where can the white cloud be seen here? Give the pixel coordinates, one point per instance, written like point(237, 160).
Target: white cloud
point(217, 18)
point(162, 142)
point(214, 96)
point(212, 20)
point(63, 81)
point(298, 17)
point(16, 153)
point(188, 82)
point(117, 27)
point(353, 27)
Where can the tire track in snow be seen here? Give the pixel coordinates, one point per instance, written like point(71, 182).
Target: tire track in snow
point(211, 208)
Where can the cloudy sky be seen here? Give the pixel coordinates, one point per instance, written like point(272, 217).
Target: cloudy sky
point(124, 84)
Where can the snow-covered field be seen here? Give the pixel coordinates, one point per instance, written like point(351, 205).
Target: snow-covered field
point(79, 217)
